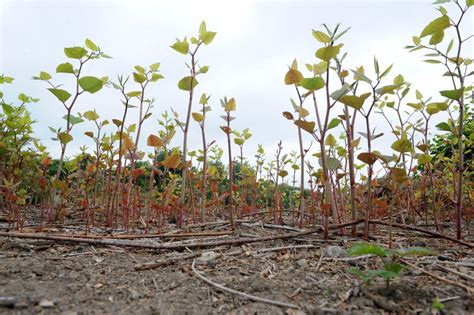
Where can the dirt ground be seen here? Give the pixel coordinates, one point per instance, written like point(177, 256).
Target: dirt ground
point(50, 277)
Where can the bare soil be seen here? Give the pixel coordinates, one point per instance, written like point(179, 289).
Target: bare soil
point(49, 277)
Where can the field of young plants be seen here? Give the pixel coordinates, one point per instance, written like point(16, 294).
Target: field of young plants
point(134, 224)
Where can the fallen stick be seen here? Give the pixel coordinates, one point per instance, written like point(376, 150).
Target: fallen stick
point(469, 290)
point(414, 228)
point(462, 275)
point(123, 243)
point(143, 236)
point(239, 293)
point(164, 262)
point(170, 261)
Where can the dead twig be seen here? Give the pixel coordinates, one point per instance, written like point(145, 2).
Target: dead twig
point(465, 287)
point(414, 228)
point(462, 275)
point(125, 243)
point(239, 293)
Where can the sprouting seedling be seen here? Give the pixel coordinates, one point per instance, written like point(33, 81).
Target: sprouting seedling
point(229, 106)
point(200, 118)
point(457, 69)
point(390, 259)
point(188, 84)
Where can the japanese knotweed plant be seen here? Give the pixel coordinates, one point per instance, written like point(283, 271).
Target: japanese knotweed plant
point(375, 92)
point(98, 138)
point(391, 261)
point(200, 118)
point(428, 110)
point(188, 84)
point(82, 83)
point(229, 106)
point(456, 64)
point(17, 154)
point(320, 79)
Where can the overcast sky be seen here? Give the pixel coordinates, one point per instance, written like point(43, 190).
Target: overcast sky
point(255, 43)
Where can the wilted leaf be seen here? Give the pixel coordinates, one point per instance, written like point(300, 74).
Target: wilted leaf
point(293, 76)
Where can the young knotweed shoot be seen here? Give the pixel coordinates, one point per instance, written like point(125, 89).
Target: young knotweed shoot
point(229, 106)
point(83, 84)
point(357, 102)
point(294, 77)
point(188, 84)
point(200, 118)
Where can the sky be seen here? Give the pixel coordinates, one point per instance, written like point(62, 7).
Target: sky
point(256, 41)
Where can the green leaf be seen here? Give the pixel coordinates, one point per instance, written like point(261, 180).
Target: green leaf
point(65, 68)
point(354, 101)
point(7, 109)
point(424, 158)
point(331, 163)
point(437, 25)
point(134, 94)
point(330, 140)
point(65, 138)
point(23, 98)
point(239, 141)
point(364, 248)
point(207, 37)
point(198, 117)
point(469, 3)
point(75, 52)
point(329, 52)
point(73, 119)
point(181, 46)
point(90, 44)
point(91, 115)
point(117, 122)
point(91, 84)
point(415, 251)
point(399, 80)
point(62, 95)
point(203, 69)
point(154, 67)
point(437, 38)
point(394, 266)
point(402, 145)
point(187, 83)
point(452, 94)
point(436, 107)
point(155, 77)
point(321, 37)
point(307, 126)
point(312, 84)
point(417, 106)
point(139, 77)
point(387, 89)
point(444, 126)
point(333, 123)
point(45, 76)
